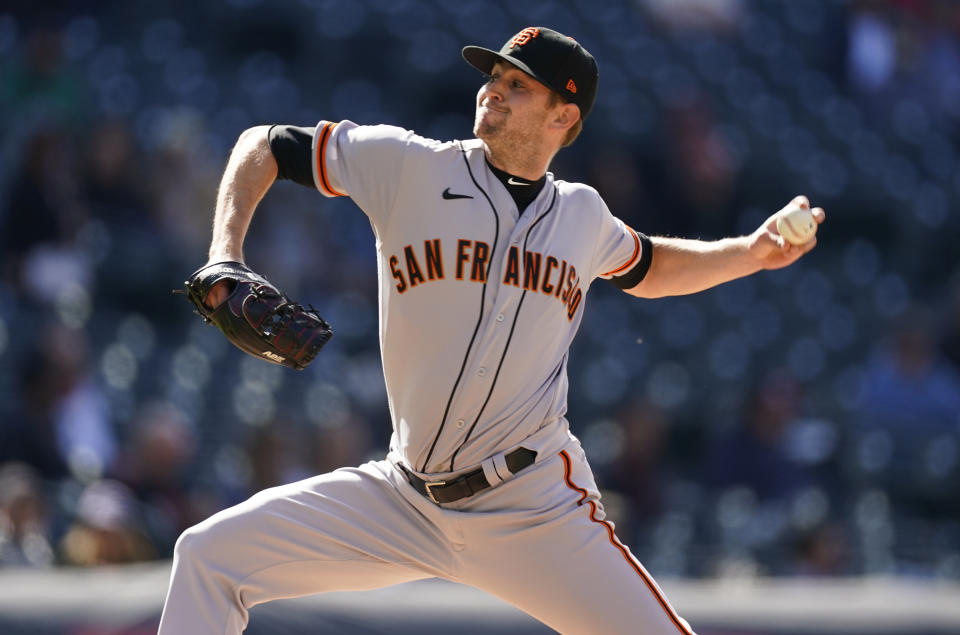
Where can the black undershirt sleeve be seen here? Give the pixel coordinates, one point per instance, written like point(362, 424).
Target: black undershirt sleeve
point(639, 271)
point(292, 148)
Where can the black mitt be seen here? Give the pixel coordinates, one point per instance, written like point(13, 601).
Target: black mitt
point(257, 317)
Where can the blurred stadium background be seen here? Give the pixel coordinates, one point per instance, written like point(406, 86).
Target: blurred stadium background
point(783, 452)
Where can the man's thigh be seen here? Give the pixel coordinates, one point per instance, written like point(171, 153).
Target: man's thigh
point(346, 530)
point(564, 565)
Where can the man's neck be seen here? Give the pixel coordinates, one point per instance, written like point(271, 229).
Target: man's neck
point(521, 190)
point(531, 167)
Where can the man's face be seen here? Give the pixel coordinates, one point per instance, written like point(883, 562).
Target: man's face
point(511, 105)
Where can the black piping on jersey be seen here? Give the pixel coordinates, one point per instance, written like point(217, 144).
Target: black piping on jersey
point(476, 328)
point(506, 346)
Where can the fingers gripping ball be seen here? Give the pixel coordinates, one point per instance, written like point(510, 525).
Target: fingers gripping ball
point(797, 224)
point(257, 317)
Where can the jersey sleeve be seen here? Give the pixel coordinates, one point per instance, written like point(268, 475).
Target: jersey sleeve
point(363, 162)
point(623, 255)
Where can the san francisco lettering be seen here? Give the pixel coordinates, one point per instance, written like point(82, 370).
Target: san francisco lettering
point(532, 271)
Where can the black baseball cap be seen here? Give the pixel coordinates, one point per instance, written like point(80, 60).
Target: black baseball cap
point(552, 58)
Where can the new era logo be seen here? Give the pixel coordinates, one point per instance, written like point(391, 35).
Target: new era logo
point(571, 86)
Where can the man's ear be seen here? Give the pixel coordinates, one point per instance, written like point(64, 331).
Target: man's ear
point(567, 115)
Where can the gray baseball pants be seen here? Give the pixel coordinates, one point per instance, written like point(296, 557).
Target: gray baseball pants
point(538, 541)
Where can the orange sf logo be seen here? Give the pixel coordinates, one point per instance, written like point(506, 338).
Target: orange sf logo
point(524, 36)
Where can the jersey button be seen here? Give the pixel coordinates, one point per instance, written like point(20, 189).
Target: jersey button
point(460, 423)
point(481, 371)
point(500, 318)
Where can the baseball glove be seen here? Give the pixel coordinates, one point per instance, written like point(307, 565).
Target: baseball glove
point(257, 317)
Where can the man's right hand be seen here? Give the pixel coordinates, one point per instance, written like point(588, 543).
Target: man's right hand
point(218, 294)
point(264, 323)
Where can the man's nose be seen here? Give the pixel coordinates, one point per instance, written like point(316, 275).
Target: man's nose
point(493, 89)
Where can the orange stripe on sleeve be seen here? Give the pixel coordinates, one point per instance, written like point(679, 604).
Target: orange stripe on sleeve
point(321, 161)
point(677, 621)
point(633, 258)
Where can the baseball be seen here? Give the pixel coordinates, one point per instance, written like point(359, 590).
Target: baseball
point(797, 225)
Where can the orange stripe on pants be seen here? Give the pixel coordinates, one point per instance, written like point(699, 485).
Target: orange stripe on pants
point(680, 624)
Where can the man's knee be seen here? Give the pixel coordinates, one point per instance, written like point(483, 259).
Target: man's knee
point(198, 542)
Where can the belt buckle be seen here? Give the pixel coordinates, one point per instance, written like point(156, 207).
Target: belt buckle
point(430, 495)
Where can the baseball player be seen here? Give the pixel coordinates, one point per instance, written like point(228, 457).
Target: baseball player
point(485, 259)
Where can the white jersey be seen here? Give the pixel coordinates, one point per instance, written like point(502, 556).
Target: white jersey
point(478, 304)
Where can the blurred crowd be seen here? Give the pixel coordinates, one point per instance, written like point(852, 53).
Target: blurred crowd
point(799, 422)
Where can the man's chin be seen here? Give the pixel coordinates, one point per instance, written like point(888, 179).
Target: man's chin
point(485, 131)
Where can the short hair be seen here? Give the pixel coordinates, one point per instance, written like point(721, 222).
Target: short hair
point(576, 128)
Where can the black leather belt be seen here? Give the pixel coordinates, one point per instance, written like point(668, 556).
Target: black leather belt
point(470, 483)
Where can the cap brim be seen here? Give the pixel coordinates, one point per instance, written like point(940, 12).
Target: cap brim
point(483, 60)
